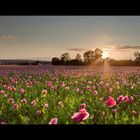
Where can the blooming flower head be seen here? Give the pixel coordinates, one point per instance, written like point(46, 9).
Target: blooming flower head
point(80, 116)
point(130, 99)
point(95, 92)
point(5, 95)
point(53, 121)
point(114, 110)
point(46, 106)
point(77, 89)
point(33, 103)
point(38, 112)
point(110, 101)
point(11, 100)
point(13, 89)
point(120, 98)
point(89, 82)
point(60, 103)
point(15, 106)
point(4, 86)
point(44, 92)
point(82, 106)
point(24, 101)
point(125, 98)
point(93, 87)
point(62, 84)
point(22, 91)
point(9, 88)
point(2, 92)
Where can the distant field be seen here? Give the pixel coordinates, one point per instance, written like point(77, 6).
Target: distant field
point(69, 95)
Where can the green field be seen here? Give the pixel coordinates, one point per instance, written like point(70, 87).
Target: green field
point(70, 95)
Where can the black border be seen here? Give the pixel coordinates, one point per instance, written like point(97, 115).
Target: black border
point(70, 131)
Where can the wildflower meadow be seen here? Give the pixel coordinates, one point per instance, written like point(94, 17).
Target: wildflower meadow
point(69, 95)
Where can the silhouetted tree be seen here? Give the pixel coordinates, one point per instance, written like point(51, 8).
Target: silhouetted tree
point(98, 54)
point(91, 56)
point(137, 56)
point(78, 57)
point(55, 61)
point(88, 57)
point(65, 58)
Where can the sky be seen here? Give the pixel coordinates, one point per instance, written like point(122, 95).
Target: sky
point(44, 37)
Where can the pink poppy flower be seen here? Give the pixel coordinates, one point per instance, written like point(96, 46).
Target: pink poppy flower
point(9, 88)
point(24, 101)
point(80, 116)
point(53, 88)
point(13, 89)
point(82, 106)
point(2, 92)
point(11, 100)
point(130, 99)
point(5, 95)
point(95, 92)
point(114, 110)
point(46, 106)
point(89, 82)
point(62, 84)
point(120, 98)
point(38, 112)
point(110, 101)
point(125, 98)
point(22, 91)
point(15, 106)
point(77, 89)
point(33, 103)
point(44, 92)
point(53, 121)
point(4, 86)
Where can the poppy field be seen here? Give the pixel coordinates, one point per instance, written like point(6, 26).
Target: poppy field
point(69, 95)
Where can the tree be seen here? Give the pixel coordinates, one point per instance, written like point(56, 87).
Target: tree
point(88, 57)
point(137, 56)
point(98, 53)
point(91, 56)
point(78, 57)
point(55, 61)
point(65, 57)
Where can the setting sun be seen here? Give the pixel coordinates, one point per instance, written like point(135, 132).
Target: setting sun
point(105, 54)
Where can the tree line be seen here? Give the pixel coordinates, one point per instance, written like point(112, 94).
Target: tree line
point(94, 58)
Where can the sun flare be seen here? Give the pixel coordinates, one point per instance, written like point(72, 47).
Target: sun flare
point(105, 54)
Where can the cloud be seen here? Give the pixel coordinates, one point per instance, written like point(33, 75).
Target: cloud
point(7, 37)
point(76, 49)
point(121, 48)
point(126, 47)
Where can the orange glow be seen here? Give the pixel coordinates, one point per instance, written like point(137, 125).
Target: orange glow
point(105, 54)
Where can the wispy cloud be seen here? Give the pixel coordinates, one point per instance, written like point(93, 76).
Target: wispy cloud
point(76, 49)
point(121, 47)
point(7, 37)
point(126, 47)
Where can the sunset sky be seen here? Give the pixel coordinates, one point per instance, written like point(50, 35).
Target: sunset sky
point(43, 37)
